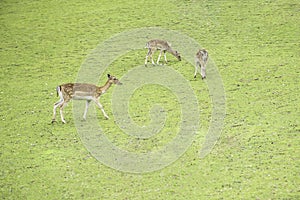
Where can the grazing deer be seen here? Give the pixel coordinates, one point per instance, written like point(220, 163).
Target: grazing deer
point(82, 91)
point(163, 46)
point(201, 60)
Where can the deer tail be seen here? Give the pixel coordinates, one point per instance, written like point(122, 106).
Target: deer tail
point(147, 45)
point(58, 89)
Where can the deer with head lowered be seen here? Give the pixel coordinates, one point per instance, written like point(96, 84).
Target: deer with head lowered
point(82, 91)
point(163, 46)
point(201, 60)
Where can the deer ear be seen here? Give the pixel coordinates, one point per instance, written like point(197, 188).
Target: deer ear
point(108, 75)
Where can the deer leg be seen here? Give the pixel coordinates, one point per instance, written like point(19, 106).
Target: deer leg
point(159, 57)
point(61, 111)
point(101, 108)
point(165, 55)
point(151, 52)
point(196, 68)
point(54, 109)
point(86, 108)
point(203, 70)
point(146, 60)
point(152, 59)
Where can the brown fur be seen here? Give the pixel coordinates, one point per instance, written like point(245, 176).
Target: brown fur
point(163, 46)
point(82, 91)
point(201, 61)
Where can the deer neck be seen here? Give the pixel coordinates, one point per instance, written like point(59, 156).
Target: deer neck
point(172, 52)
point(105, 87)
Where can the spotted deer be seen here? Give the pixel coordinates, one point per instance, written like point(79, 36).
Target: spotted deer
point(82, 91)
point(163, 46)
point(201, 60)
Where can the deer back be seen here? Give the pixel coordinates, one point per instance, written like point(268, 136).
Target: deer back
point(158, 44)
point(202, 55)
point(80, 91)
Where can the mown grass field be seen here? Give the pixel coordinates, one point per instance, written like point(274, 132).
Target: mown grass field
point(254, 44)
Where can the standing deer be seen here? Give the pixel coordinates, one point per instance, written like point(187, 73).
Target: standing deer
point(163, 46)
point(82, 91)
point(201, 60)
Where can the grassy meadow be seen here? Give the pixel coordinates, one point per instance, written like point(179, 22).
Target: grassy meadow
point(255, 46)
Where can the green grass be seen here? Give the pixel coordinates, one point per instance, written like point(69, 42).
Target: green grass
point(254, 44)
